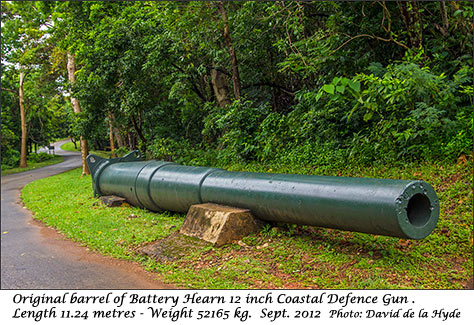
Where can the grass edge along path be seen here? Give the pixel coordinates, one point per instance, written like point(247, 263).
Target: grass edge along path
point(69, 146)
point(33, 165)
point(280, 256)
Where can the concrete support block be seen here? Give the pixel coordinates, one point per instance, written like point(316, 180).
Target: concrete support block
point(219, 224)
point(113, 201)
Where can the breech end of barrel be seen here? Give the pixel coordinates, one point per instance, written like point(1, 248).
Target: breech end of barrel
point(97, 165)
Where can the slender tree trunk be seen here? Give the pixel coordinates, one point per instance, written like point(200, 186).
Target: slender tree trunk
point(418, 28)
point(111, 135)
point(71, 70)
point(219, 85)
point(24, 130)
point(444, 17)
point(235, 66)
point(119, 137)
point(139, 132)
point(131, 142)
point(413, 24)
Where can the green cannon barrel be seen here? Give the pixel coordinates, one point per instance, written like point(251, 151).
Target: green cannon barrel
point(399, 208)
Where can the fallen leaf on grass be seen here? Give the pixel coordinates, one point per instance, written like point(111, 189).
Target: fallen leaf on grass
point(462, 159)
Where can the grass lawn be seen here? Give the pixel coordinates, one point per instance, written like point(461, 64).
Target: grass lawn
point(69, 146)
point(33, 165)
point(280, 256)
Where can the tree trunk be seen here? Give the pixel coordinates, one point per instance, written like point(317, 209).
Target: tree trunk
point(418, 28)
point(235, 67)
point(84, 154)
point(111, 135)
point(71, 70)
point(139, 132)
point(24, 130)
point(444, 17)
point(131, 141)
point(413, 24)
point(219, 84)
point(119, 137)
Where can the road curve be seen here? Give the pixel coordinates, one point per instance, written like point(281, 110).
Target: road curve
point(34, 256)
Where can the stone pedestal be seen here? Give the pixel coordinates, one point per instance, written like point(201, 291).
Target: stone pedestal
point(112, 201)
point(219, 224)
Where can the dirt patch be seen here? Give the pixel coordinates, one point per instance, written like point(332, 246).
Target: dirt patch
point(448, 181)
point(173, 248)
point(469, 284)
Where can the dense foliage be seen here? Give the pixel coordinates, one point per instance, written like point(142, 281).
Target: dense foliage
point(304, 83)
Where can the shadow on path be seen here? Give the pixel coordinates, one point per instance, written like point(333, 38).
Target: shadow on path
point(34, 256)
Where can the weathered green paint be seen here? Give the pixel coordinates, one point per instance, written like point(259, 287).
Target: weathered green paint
point(399, 208)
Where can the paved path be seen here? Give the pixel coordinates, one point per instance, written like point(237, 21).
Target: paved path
point(34, 256)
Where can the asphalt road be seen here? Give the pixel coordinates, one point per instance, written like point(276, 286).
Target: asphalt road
point(34, 256)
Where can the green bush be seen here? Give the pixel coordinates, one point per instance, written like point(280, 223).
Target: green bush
point(163, 149)
point(38, 157)
point(461, 142)
point(182, 152)
point(401, 112)
point(237, 127)
point(394, 114)
point(10, 158)
point(121, 151)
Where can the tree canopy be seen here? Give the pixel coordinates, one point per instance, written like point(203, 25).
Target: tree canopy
point(213, 82)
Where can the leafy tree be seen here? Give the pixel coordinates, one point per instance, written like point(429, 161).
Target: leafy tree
point(303, 82)
point(26, 49)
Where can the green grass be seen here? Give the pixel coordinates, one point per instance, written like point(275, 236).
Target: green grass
point(279, 256)
point(69, 146)
point(33, 165)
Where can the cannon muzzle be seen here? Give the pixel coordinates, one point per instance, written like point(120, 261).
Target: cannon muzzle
point(398, 208)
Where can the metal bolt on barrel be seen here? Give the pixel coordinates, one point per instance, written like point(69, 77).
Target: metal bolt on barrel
point(398, 208)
